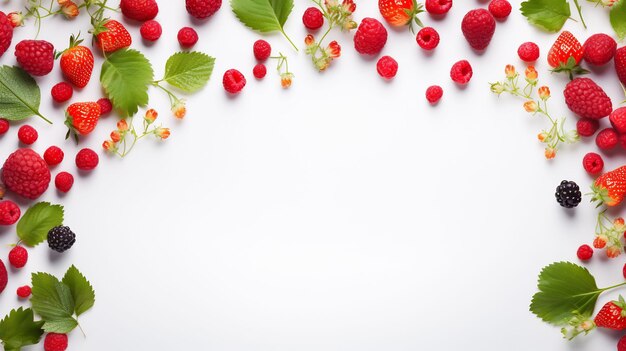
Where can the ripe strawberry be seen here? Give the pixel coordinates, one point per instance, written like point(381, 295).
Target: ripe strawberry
point(82, 117)
point(111, 36)
point(26, 174)
point(139, 10)
point(6, 33)
point(18, 256)
point(587, 99)
point(599, 49)
point(610, 188)
point(201, 9)
point(612, 315)
point(618, 119)
point(400, 13)
point(370, 37)
point(4, 277)
point(77, 63)
point(620, 64)
point(35, 56)
point(565, 54)
point(478, 27)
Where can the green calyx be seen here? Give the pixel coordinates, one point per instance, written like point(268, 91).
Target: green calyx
point(571, 67)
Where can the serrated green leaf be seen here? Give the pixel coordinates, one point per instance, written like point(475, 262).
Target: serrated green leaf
point(19, 94)
point(61, 326)
point(125, 76)
point(189, 71)
point(19, 329)
point(549, 15)
point(53, 301)
point(566, 290)
point(618, 18)
point(82, 291)
point(263, 15)
point(33, 227)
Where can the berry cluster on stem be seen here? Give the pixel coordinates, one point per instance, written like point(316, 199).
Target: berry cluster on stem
point(126, 136)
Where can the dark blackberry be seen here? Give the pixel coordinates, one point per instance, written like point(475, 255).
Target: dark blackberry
point(61, 238)
point(568, 194)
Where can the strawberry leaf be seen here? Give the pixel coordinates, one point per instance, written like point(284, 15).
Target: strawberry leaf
point(33, 227)
point(549, 15)
point(125, 76)
point(618, 18)
point(19, 329)
point(264, 15)
point(19, 93)
point(82, 291)
point(189, 71)
point(53, 301)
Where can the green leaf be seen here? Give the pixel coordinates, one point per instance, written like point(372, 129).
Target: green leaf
point(263, 15)
point(189, 71)
point(549, 15)
point(566, 290)
point(33, 227)
point(125, 77)
point(618, 18)
point(82, 291)
point(19, 94)
point(19, 329)
point(53, 301)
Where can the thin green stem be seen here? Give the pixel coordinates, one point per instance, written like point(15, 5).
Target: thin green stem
point(580, 13)
point(288, 39)
point(613, 286)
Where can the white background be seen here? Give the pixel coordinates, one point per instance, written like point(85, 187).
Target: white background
point(342, 214)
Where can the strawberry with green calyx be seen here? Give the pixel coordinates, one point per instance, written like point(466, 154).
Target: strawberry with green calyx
point(612, 315)
point(399, 13)
point(76, 62)
point(565, 55)
point(110, 35)
point(81, 118)
point(610, 188)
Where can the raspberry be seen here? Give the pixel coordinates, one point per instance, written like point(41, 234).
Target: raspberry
point(27, 134)
point(87, 159)
point(438, 7)
point(105, 106)
point(587, 127)
point(387, 67)
point(18, 256)
point(593, 163)
point(6, 33)
point(201, 9)
point(607, 139)
point(313, 18)
point(618, 119)
point(62, 92)
point(434, 94)
point(478, 27)
point(35, 56)
point(233, 81)
point(621, 344)
point(24, 291)
point(9, 212)
point(55, 342)
point(599, 49)
point(151, 30)
point(26, 174)
point(259, 71)
point(427, 38)
point(64, 181)
point(139, 10)
point(620, 64)
point(587, 99)
point(584, 253)
point(262, 50)
point(461, 72)
point(53, 155)
point(61, 239)
point(4, 126)
point(500, 9)
point(370, 37)
point(528, 52)
point(187, 37)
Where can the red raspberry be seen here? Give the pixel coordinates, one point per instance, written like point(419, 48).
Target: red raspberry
point(139, 10)
point(187, 37)
point(387, 67)
point(233, 81)
point(62, 92)
point(528, 52)
point(500, 9)
point(55, 342)
point(27, 134)
point(593, 163)
point(24, 291)
point(18, 256)
point(620, 64)
point(87, 159)
point(370, 37)
point(621, 344)
point(587, 99)
point(427, 38)
point(151, 30)
point(262, 50)
point(478, 27)
point(259, 71)
point(434, 94)
point(584, 253)
point(53, 155)
point(9, 212)
point(35, 56)
point(105, 106)
point(461, 72)
point(438, 7)
point(4, 126)
point(64, 181)
point(313, 18)
point(607, 139)
point(599, 49)
point(587, 127)
point(26, 174)
point(201, 9)
point(6, 33)
point(618, 119)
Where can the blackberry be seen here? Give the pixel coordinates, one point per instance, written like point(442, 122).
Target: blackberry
point(568, 194)
point(61, 238)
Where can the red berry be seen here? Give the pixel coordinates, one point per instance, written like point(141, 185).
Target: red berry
point(151, 30)
point(313, 18)
point(62, 92)
point(139, 10)
point(105, 106)
point(587, 127)
point(233, 81)
point(387, 67)
point(584, 253)
point(461, 72)
point(427, 38)
point(187, 37)
point(370, 37)
point(593, 163)
point(9, 212)
point(262, 50)
point(434, 94)
point(4, 277)
point(18, 256)
point(621, 344)
point(259, 71)
point(64, 181)
point(478, 27)
point(620, 64)
point(25, 173)
point(528, 52)
point(87, 159)
point(53, 155)
point(24, 291)
point(6, 33)
point(4, 126)
point(618, 119)
point(607, 139)
point(35, 56)
point(201, 9)
point(500, 9)
point(55, 342)
point(599, 49)
point(27, 134)
point(587, 99)
point(438, 7)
